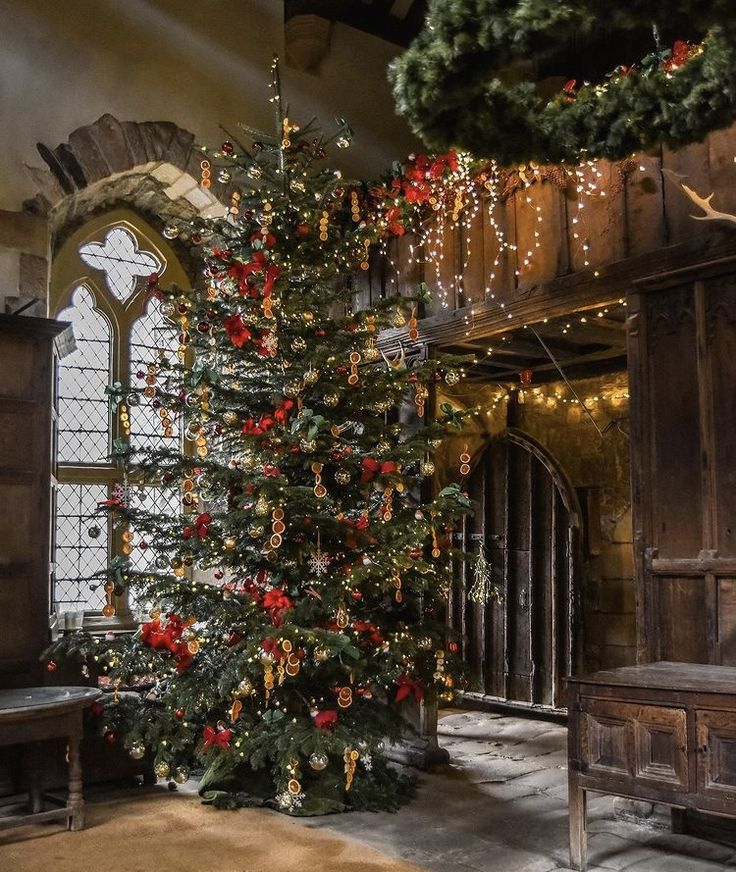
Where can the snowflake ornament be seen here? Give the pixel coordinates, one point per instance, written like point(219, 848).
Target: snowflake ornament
point(319, 562)
point(289, 801)
point(270, 344)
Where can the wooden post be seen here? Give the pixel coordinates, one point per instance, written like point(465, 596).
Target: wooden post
point(577, 801)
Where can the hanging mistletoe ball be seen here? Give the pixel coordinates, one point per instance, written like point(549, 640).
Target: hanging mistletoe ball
point(468, 79)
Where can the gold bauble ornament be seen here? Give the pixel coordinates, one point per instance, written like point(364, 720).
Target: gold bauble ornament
point(292, 389)
point(321, 655)
point(230, 418)
point(230, 543)
point(426, 467)
point(161, 769)
point(255, 531)
point(331, 399)
point(452, 377)
point(342, 476)
point(299, 344)
point(262, 508)
point(311, 376)
point(307, 317)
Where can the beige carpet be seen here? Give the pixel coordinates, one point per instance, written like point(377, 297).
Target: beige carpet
point(161, 833)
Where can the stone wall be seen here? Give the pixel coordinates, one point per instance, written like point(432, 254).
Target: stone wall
point(598, 468)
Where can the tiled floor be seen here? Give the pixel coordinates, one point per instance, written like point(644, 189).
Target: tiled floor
point(501, 806)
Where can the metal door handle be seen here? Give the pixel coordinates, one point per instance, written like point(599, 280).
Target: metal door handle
point(523, 598)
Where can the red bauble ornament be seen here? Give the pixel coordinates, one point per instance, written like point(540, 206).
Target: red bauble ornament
point(179, 713)
point(453, 647)
point(227, 147)
point(110, 737)
point(51, 666)
point(302, 229)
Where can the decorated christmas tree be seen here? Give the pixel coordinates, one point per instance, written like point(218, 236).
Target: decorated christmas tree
point(294, 589)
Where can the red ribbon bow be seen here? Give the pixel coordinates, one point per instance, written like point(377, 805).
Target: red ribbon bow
point(281, 414)
point(236, 330)
point(276, 602)
point(242, 272)
point(407, 686)
point(372, 467)
point(213, 737)
point(200, 527)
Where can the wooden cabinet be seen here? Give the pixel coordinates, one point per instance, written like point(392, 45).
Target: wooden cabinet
point(26, 413)
point(664, 732)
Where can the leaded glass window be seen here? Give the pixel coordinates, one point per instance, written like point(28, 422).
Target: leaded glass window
point(99, 281)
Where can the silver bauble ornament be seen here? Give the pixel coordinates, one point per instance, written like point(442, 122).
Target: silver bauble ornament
point(318, 762)
point(137, 751)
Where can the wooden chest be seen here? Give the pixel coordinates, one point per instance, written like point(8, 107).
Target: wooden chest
point(664, 732)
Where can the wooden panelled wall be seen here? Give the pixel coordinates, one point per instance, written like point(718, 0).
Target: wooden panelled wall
point(638, 215)
point(682, 363)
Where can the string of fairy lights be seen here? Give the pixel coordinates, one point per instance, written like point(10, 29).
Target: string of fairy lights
point(457, 201)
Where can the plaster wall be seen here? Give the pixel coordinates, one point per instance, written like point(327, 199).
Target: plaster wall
point(199, 65)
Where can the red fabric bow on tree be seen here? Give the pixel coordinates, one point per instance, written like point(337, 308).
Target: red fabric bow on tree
point(281, 414)
point(200, 527)
point(372, 468)
point(325, 720)
point(168, 638)
point(236, 330)
point(371, 633)
point(271, 646)
point(242, 273)
point(258, 428)
point(220, 738)
point(276, 602)
point(406, 687)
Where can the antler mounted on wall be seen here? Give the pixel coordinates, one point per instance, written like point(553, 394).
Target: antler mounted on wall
point(711, 214)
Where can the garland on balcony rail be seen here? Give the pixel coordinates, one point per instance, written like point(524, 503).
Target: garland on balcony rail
point(458, 83)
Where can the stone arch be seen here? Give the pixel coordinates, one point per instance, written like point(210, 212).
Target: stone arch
point(151, 167)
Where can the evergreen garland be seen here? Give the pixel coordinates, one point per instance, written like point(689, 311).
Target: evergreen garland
point(452, 85)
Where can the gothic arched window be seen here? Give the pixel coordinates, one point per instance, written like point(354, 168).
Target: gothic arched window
point(99, 283)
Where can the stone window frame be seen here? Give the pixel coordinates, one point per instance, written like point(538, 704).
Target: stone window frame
point(68, 272)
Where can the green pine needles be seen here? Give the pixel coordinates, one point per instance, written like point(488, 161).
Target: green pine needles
point(297, 564)
point(466, 81)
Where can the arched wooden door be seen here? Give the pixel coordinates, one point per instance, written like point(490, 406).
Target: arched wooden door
point(520, 648)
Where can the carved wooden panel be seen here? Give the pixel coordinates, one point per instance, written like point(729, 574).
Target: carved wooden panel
point(660, 745)
point(720, 312)
point(682, 619)
point(716, 741)
point(644, 742)
point(675, 442)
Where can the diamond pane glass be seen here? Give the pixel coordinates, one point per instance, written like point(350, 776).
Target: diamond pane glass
point(150, 333)
point(124, 264)
point(78, 555)
point(162, 501)
point(83, 377)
